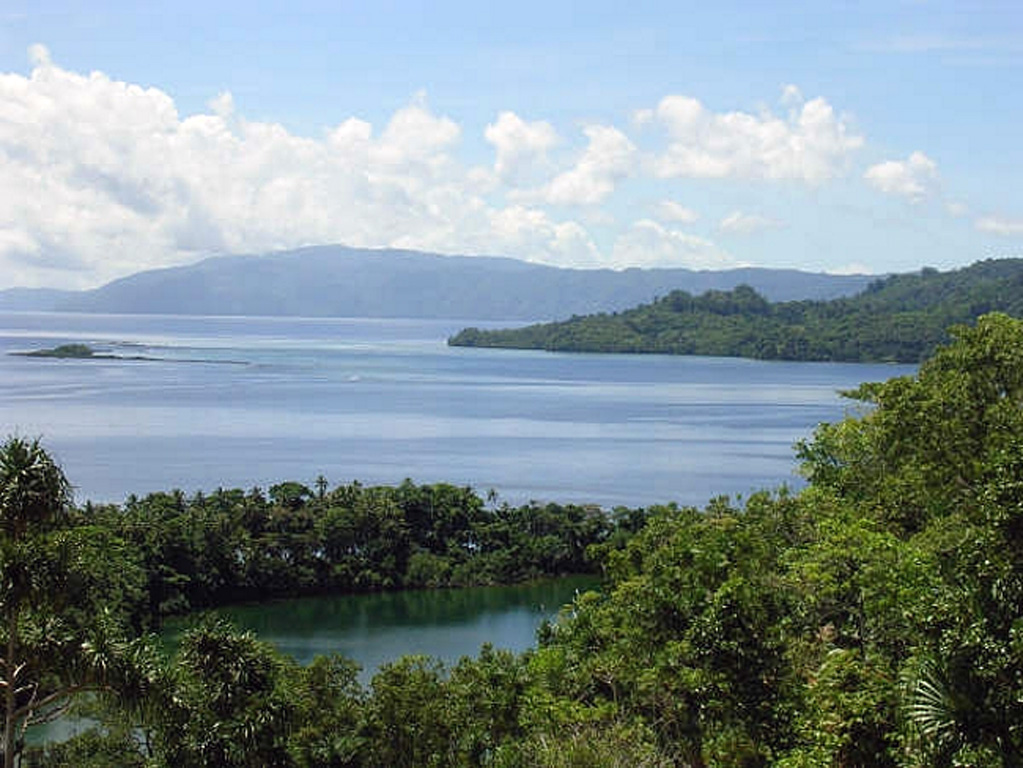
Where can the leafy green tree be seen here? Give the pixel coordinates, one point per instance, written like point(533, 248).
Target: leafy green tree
point(921, 447)
point(93, 748)
point(331, 703)
point(931, 476)
point(484, 704)
point(227, 702)
point(406, 715)
point(55, 641)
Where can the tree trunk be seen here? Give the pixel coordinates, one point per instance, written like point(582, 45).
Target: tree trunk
point(10, 700)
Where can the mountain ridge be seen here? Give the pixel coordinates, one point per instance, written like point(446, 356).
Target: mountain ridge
point(334, 280)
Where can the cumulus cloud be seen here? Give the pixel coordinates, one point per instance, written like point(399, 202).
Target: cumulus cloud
point(100, 178)
point(521, 147)
point(649, 244)
point(105, 178)
point(525, 229)
point(669, 210)
point(741, 223)
point(998, 225)
point(913, 178)
point(810, 144)
point(608, 158)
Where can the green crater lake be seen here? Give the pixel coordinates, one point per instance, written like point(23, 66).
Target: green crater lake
point(373, 629)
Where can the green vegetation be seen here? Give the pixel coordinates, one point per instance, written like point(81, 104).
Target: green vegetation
point(873, 619)
point(897, 319)
point(232, 546)
point(60, 630)
point(65, 351)
point(82, 352)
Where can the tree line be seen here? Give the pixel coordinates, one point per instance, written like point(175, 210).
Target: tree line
point(901, 318)
point(872, 619)
point(180, 553)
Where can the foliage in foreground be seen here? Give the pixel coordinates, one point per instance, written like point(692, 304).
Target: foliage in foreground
point(873, 619)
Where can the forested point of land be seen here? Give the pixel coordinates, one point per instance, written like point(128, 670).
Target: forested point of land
point(872, 619)
point(902, 318)
point(76, 351)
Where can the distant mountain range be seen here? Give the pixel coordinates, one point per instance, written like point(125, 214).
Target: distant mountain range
point(33, 299)
point(337, 281)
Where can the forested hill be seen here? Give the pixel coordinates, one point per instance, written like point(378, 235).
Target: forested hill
point(900, 319)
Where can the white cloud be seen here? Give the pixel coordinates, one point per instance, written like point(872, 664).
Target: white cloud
point(740, 223)
point(998, 225)
point(415, 136)
point(121, 182)
point(531, 230)
point(223, 105)
point(913, 178)
point(669, 210)
point(957, 209)
point(609, 157)
point(811, 144)
point(39, 55)
point(791, 96)
point(649, 244)
point(521, 147)
point(16, 241)
point(643, 117)
point(100, 178)
point(855, 268)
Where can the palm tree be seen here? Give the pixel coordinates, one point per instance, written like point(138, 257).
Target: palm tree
point(53, 643)
point(34, 495)
point(948, 707)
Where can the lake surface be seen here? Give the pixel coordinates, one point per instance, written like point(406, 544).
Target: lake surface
point(240, 402)
point(374, 629)
point(378, 628)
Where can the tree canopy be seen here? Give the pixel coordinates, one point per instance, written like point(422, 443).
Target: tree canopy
point(902, 318)
point(60, 632)
point(875, 618)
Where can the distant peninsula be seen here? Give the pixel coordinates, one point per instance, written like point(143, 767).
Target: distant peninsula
point(81, 352)
point(68, 351)
point(77, 351)
point(901, 318)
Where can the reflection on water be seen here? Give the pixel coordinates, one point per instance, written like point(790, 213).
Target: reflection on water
point(376, 628)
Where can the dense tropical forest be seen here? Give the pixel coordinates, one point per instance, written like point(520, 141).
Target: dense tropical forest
point(901, 318)
point(875, 618)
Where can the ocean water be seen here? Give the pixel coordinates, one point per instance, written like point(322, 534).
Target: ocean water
point(243, 402)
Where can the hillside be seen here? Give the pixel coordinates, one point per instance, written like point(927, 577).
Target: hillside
point(33, 299)
point(335, 281)
point(900, 318)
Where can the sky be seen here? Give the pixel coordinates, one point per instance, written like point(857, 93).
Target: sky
point(875, 136)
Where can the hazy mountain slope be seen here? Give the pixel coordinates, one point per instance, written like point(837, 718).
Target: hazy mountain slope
point(340, 281)
point(33, 299)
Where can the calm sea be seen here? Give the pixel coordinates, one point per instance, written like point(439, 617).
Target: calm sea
point(240, 402)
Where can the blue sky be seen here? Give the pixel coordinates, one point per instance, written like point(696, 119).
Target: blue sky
point(853, 136)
